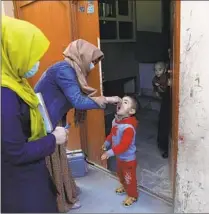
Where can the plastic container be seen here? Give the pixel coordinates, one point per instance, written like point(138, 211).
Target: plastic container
point(77, 163)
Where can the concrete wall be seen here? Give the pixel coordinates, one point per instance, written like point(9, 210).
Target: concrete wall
point(192, 181)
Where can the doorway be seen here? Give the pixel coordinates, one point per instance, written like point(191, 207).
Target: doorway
point(120, 46)
point(134, 36)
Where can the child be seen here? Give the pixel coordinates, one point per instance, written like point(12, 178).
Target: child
point(160, 80)
point(122, 141)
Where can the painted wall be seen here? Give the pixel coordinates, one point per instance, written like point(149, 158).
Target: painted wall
point(149, 16)
point(192, 179)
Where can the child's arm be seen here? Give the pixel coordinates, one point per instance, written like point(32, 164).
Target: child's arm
point(125, 142)
point(153, 84)
point(164, 83)
point(108, 142)
point(161, 89)
point(155, 87)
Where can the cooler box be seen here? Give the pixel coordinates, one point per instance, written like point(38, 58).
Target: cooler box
point(77, 163)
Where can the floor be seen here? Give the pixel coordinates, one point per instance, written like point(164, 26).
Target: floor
point(153, 170)
point(98, 196)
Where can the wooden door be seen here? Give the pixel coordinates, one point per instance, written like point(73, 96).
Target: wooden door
point(87, 22)
point(175, 89)
point(54, 18)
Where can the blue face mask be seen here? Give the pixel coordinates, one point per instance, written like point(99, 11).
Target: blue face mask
point(91, 66)
point(32, 71)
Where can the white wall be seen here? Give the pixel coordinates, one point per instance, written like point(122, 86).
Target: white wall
point(149, 15)
point(192, 181)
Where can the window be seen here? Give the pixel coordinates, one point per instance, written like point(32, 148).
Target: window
point(117, 20)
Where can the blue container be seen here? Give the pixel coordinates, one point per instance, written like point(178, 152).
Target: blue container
point(77, 163)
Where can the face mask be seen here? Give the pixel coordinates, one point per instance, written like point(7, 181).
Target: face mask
point(32, 71)
point(91, 66)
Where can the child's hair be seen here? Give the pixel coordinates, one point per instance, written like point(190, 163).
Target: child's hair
point(161, 63)
point(135, 103)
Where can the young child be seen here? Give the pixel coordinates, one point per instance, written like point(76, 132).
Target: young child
point(160, 80)
point(122, 143)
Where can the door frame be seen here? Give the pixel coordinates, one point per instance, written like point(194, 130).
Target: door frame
point(175, 91)
point(91, 141)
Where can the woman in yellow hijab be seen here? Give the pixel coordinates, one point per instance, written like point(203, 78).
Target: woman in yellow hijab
point(26, 184)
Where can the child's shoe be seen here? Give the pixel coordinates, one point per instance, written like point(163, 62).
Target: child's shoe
point(129, 201)
point(120, 190)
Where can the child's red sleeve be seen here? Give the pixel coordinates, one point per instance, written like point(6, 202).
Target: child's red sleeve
point(125, 142)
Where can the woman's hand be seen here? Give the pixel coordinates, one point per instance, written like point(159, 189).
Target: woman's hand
point(61, 135)
point(113, 100)
point(101, 101)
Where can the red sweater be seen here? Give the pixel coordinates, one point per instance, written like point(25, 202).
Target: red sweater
point(126, 138)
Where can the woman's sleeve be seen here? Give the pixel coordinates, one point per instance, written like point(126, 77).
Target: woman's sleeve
point(14, 143)
point(67, 81)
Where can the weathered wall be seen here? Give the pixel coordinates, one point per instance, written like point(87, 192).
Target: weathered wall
point(192, 181)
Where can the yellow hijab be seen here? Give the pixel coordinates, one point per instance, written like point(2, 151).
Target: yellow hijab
point(23, 45)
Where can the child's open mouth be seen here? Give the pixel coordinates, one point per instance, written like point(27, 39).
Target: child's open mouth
point(118, 107)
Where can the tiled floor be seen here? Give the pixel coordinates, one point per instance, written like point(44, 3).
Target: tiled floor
point(98, 196)
point(153, 170)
